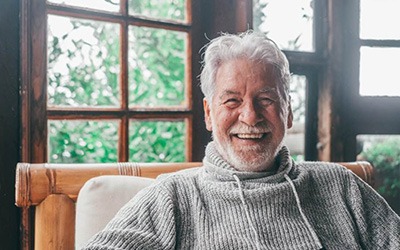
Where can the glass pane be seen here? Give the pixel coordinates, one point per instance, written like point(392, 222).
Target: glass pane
point(83, 62)
point(157, 141)
point(105, 5)
point(295, 139)
point(159, 9)
point(379, 69)
point(82, 141)
point(157, 71)
point(379, 19)
point(383, 152)
point(289, 23)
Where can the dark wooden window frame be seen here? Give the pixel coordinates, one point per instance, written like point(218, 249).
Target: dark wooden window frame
point(34, 83)
point(34, 110)
point(363, 114)
point(311, 65)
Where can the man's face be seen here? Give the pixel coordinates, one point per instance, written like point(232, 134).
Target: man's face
point(248, 116)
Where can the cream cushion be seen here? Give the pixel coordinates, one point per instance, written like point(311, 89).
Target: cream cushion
point(100, 199)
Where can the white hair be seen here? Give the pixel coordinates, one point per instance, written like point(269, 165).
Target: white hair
point(251, 45)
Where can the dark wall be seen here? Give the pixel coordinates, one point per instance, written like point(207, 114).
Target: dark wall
point(9, 121)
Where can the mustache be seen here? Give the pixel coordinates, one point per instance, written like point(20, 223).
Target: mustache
point(244, 129)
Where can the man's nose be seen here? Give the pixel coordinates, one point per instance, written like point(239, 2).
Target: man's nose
point(250, 115)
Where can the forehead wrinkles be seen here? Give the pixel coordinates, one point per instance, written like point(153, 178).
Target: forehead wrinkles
point(266, 90)
point(234, 73)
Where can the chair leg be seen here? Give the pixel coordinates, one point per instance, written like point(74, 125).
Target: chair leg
point(55, 220)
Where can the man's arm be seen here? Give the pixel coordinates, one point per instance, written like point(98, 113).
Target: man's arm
point(146, 222)
point(378, 224)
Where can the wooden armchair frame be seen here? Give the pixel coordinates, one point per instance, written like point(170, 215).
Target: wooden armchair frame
point(53, 190)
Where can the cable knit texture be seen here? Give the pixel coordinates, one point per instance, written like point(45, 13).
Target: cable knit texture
point(310, 205)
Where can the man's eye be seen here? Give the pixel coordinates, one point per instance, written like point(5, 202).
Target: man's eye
point(265, 101)
point(232, 102)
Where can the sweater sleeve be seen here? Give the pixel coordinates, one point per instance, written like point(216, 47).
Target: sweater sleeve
point(377, 223)
point(145, 222)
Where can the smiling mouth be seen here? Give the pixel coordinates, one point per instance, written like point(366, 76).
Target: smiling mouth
point(250, 136)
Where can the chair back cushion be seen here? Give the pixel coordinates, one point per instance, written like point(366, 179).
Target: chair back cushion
point(93, 207)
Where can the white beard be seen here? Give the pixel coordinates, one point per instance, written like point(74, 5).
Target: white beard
point(263, 157)
point(263, 160)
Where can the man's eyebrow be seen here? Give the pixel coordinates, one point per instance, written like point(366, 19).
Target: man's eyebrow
point(228, 92)
point(268, 90)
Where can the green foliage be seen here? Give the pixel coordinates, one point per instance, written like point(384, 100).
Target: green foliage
point(83, 141)
point(258, 13)
point(83, 71)
point(385, 156)
point(83, 63)
point(298, 158)
point(159, 9)
point(156, 141)
point(265, 20)
point(157, 67)
point(298, 97)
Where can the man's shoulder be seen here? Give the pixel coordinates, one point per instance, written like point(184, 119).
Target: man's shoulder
point(180, 176)
point(175, 185)
point(320, 165)
point(319, 168)
point(324, 176)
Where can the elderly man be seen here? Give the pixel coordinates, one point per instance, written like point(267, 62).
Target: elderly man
point(250, 194)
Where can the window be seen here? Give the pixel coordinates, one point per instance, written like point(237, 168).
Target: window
point(292, 31)
point(297, 35)
point(373, 93)
point(105, 78)
point(296, 135)
point(372, 57)
point(380, 48)
point(348, 53)
point(110, 80)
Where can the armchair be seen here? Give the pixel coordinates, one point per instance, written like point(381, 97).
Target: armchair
point(53, 189)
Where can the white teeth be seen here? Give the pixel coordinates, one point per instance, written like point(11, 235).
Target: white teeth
point(249, 136)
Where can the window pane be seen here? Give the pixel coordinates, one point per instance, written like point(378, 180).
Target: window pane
point(289, 23)
point(83, 62)
point(379, 19)
point(298, 97)
point(157, 141)
point(159, 9)
point(156, 67)
point(82, 141)
point(295, 139)
point(383, 152)
point(379, 69)
point(105, 5)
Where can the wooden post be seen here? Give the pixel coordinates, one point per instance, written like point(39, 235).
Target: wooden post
point(55, 223)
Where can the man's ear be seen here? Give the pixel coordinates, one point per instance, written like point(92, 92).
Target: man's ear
point(207, 115)
point(290, 115)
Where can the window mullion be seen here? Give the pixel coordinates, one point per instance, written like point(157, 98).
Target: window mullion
point(123, 145)
point(123, 148)
point(38, 82)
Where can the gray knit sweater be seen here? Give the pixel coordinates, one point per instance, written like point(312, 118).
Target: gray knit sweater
point(310, 205)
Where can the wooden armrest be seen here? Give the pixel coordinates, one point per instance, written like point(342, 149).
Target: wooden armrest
point(362, 169)
point(34, 182)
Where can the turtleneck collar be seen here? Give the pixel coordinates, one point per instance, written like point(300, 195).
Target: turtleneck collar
point(218, 169)
point(216, 166)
